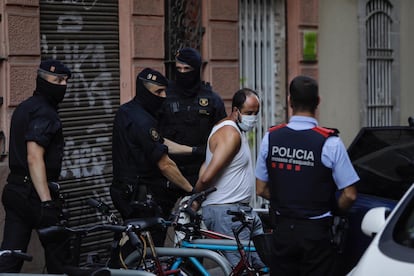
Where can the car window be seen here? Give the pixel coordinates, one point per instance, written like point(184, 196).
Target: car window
point(384, 160)
point(404, 228)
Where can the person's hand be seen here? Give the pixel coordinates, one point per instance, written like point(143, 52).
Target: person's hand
point(195, 205)
point(49, 213)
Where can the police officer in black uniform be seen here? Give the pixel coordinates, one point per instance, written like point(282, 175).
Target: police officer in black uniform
point(189, 113)
point(35, 157)
point(140, 159)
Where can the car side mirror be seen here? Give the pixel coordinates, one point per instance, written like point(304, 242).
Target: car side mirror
point(374, 220)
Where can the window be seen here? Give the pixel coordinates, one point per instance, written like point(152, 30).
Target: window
point(183, 29)
point(379, 57)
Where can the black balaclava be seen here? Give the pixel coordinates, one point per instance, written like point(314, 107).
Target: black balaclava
point(188, 83)
point(53, 92)
point(149, 101)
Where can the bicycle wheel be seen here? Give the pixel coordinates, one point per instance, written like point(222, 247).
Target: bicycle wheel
point(192, 266)
point(148, 264)
point(130, 257)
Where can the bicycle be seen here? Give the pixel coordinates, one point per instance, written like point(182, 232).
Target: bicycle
point(16, 253)
point(80, 232)
point(191, 234)
point(135, 233)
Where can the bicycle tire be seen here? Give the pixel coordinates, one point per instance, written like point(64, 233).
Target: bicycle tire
point(134, 256)
point(133, 262)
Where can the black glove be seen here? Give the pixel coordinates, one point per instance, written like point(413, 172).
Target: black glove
point(199, 150)
point(49, 213)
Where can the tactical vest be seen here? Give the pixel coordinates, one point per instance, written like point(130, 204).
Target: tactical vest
point(300, 185)
point(188, 121)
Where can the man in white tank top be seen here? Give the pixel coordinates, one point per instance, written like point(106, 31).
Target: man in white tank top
point(228, 167)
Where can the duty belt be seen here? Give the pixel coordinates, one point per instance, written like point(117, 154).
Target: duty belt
point(18, 179)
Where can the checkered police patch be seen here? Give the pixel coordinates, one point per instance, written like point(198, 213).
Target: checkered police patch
point(203, 101)
point(154, 134)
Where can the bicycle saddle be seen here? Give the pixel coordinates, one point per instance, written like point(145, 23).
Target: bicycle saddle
point(146, 223)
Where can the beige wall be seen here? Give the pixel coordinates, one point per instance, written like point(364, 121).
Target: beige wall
point(20, 46)
point(338, 66)
point(407, 60)
point(220, 47)
point(301, 16)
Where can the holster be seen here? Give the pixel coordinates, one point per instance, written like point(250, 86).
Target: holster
point(132, 190)
point(272, 217)
point(25, 180)
point(339, 231)
point(54, 189)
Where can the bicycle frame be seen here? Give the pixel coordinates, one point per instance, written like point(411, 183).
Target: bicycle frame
point(189, 253)
point(179, 254)
point(153, 253)
point(155, 257)
point(217, 242)
point(17, 253)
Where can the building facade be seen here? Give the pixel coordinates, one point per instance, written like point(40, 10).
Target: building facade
point(106, 43)
point(261, 44)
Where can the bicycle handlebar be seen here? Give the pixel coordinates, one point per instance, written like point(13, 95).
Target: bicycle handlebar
point(82, 231)
point(58, 229)
point(240, 215)
point(101, 206)
point(16, 253)
point(201, 196)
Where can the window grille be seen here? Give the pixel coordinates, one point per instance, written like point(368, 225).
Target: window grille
point(182, 29)
point(258, 67)
point(380, 102)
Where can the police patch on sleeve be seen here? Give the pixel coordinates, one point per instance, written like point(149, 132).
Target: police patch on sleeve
point(154, 134)
point(203, 102)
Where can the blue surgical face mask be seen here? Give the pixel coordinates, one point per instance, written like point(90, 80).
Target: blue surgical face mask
point(247, 122)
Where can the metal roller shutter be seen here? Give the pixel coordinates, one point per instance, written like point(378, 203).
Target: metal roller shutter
point(84, 35)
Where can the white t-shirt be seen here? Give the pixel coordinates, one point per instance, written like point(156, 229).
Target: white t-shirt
point(235, 182)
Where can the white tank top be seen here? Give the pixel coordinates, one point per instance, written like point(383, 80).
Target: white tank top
point(236, 181)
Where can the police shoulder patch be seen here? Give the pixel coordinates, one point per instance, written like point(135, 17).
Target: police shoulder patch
point(203, 101)
point(154, 134)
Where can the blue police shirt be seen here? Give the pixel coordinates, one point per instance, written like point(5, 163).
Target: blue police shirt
point(334, 155)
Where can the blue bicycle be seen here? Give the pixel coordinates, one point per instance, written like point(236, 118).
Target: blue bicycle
point(135, 250)
point(190, 233)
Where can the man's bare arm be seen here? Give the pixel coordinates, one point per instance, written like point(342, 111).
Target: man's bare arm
point(347, 198)
point(202, 169)
point(170, 170)
point(175, 148)
point(37, 169)
point(224, 144)
point(262, 189)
